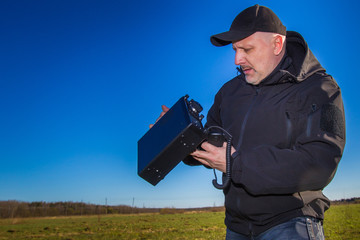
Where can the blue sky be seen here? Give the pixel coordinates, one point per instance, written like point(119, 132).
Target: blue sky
point(80, 81)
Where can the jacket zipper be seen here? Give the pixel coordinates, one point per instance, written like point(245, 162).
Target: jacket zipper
point(246, 118)
point(257, 91)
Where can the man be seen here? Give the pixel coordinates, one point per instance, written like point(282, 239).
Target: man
point(286, 116)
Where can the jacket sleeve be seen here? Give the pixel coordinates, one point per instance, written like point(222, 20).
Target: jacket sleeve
point(310, 163)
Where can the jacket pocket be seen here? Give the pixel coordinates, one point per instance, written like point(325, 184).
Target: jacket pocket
point(289, 127)
point(310, 120)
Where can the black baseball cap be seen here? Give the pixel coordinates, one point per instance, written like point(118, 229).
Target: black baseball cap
point(253, 19)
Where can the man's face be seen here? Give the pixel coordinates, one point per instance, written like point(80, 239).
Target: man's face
point(255, 55)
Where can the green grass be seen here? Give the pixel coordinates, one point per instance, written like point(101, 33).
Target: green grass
point(342, 222)
point(206, 225)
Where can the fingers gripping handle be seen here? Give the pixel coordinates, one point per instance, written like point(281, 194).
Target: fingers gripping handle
point(217, 139)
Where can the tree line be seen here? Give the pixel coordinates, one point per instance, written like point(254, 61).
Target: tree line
point(15, 209)
point(19, 209)
point(355, 200)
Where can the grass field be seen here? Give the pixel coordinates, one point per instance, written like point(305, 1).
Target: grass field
point(342, 222)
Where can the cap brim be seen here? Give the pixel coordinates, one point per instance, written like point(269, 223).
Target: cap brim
point(225, 38)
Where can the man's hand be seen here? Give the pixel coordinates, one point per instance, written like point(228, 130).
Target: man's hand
point(164, 110)
point(211, 156)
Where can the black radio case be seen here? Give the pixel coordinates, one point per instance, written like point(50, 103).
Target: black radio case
point(170, 140)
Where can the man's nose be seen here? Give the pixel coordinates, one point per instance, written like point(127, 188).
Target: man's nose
point(240, 58)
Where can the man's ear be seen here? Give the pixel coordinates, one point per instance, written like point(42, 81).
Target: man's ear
point(278, 44)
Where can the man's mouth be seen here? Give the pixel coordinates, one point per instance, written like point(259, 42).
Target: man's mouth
point(246, 69)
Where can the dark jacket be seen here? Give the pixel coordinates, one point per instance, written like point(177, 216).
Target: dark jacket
point(289, 133)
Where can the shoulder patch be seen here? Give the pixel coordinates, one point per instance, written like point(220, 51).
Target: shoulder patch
point(332, 120)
